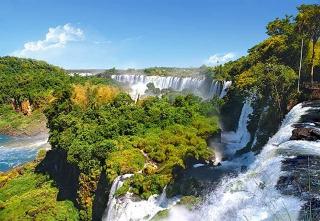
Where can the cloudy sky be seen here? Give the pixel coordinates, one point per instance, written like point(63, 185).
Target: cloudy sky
point(136, 33)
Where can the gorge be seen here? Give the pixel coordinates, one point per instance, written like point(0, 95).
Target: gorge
point(263, 191)
point(234, 138)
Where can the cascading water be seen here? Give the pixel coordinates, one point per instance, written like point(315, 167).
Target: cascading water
point(254, 195)
point(200, 86)
point(251, 195)
point(129, 208)
point(234, 141)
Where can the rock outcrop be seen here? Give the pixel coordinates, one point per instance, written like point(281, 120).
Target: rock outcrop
point(305, 133)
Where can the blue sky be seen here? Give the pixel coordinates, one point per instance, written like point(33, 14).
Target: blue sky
point(136, 33)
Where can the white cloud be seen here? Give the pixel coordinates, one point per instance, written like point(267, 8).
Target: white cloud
point(57, 37)
point(218, 59)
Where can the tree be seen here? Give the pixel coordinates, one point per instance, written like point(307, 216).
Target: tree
point(300, 30)
point(308, 19)
point(268, 81)
point(280, 26)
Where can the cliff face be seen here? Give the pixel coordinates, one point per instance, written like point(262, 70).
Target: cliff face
point(86, 194)
point(27, 195)
point(310, 91)
point(64, 174)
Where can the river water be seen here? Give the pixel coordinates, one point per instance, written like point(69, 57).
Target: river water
point(15, 151)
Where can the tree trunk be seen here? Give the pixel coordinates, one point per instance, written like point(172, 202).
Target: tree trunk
point(312, 59)
point(300, 66)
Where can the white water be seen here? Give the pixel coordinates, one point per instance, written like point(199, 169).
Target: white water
point(236, 140)
point(130, 208)
point(197, 85)
point(112, 201)
point(253, 195)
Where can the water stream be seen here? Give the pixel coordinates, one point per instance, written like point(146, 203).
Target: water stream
point(18, 150)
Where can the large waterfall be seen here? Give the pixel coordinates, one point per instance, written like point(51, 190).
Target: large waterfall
point(127, 208)
point(199, 85)
point(254, 195)
point(235, 140)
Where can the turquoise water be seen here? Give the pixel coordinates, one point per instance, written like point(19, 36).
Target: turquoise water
point(18, 150)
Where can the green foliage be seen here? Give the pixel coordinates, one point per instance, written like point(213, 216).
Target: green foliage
point(40, 84)
point(29, 79)
point(152, 90)
point(308, 20)
point(111, 71)
point(281, 47)
point(31, 196)
point(218, 72)
point(92, 80)
point(124, 162)
point(189, 201)
point(280, 26)
point(157, 71)
point(153, 136)
point(161, 215)
point(275, 82)
point(146, 186)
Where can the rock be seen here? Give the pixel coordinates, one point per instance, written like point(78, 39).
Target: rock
point(301, 179)
point(309, 134)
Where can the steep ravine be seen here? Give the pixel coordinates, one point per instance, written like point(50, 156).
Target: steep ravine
point(281, 183)
point(247, 186)
point(194, 178)
point(240, 186)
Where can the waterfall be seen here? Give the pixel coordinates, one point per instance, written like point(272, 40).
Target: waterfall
point(253, 195)
point(200, 86)
point(226, 85)
point(129, 207)
point(112, 201)
point(236, 140)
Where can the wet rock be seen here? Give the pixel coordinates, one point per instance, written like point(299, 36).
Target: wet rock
point(301, 179)
point(302, 133)
point(311, 210)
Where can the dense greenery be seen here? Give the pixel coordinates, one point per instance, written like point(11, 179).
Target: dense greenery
point(27, 87)
point(283, 46)
point(271, 72)
point(27, 79)
point(104, 132)
point(26, 195)
point(148, 139)
point(156, 71)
